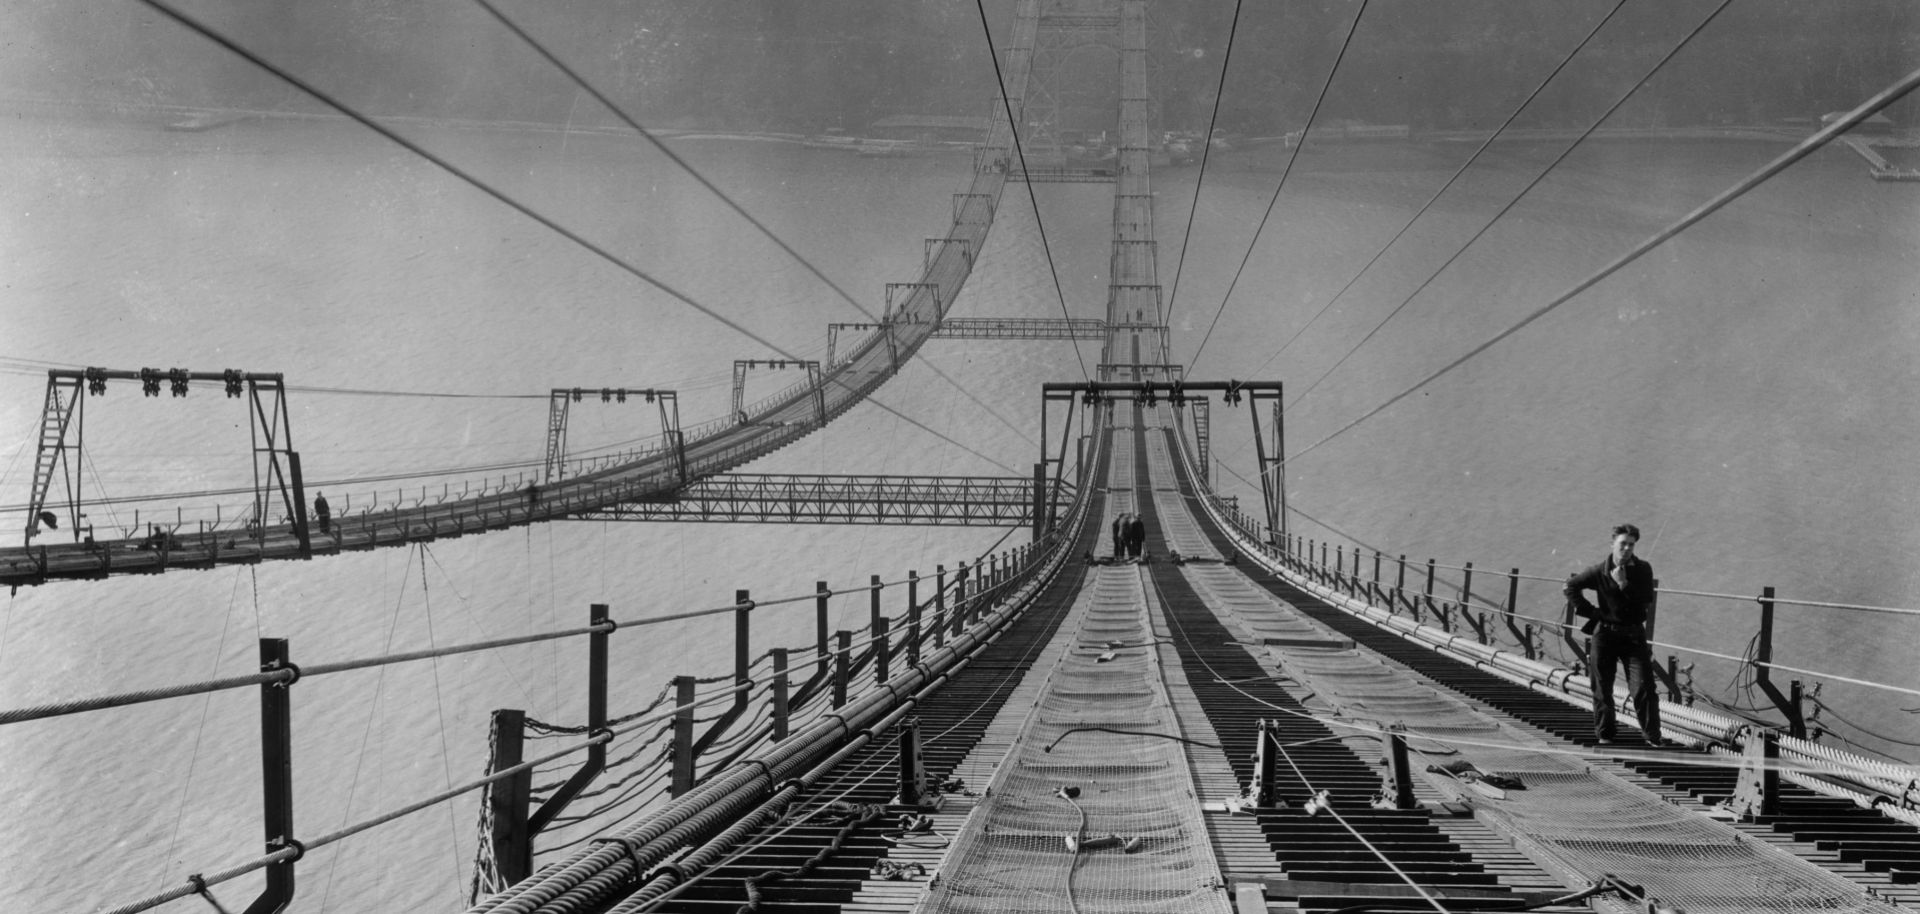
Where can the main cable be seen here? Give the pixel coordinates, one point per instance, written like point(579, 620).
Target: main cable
point(1871, 106)
point(1284, 172)
point(1013, 132)
point(1438, 193)
point(1200, 180)
point(621, 113)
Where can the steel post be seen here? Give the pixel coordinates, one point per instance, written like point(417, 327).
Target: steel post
point(507, 801)
point(820, 616)
point(742, 651)
point(682, 736)
point(941, 622)
point(276, 776)
point(780, 696)
point(913, 618)
point(913, 770)
point(1266, 766)
point(1762, 669)
point(877, 627)
point(842, 661)
point(1401, 772)
point(596, 722)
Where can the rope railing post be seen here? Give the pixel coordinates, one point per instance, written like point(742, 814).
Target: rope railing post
point(821, 595)
point(1512, 608)
point(1762, 674)
point(780, 696)
point(682, 736)
point(596, 721)
point(276, 775)
point(841, 661)
point(1400, 585)
point(1374, 592)
point(1426, 597)
point(1567, 630)
point(877, 628)
point(960, 606)
point(941, 622)
point(913, 617)
point(1466, 587)
point(742, 643)
point(507, 801)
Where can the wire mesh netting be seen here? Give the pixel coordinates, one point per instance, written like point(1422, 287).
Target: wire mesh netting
point(1094, 810)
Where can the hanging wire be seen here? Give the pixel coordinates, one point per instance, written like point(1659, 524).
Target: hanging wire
point(440, 705)
point(1013, 128)
point(1206, 150)
point(1286, 170)
point(1462, 170)
point(1515, 201)
point(366, 733)
point(233, 600)
point(1873, 105)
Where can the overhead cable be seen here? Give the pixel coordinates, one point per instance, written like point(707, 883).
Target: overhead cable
point(1013, 130)
point(1504, 210)
point(1801, 150)
point(1206, 150)
point(1284, 172)
point(1484, 145)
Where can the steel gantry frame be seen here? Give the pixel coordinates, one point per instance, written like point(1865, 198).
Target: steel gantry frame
point(61, 454)
point(815, 383)
point(1178, 393)
point(558, 410)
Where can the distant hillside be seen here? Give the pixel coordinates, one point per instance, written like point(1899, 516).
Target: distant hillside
point(810, 64)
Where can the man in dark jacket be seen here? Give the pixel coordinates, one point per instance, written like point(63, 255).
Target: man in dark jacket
point(1136, 535)
point(1617, 620)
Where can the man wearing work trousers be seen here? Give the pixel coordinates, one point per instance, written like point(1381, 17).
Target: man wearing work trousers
point(1617, 621)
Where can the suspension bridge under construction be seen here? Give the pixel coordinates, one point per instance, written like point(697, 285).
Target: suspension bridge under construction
point(1238, 720)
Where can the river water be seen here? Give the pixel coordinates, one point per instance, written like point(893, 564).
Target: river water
point(1744, 395)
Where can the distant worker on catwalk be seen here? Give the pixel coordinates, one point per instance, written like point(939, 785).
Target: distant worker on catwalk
point(322, 513)
point(1617, 621)
point(1120, 536)
point(1136, 535)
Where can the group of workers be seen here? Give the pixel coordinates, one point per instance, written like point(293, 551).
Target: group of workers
point(1129, 536)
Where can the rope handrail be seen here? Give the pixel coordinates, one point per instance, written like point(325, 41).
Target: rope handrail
point(122, 699)
point(1747, 660)
point(197, 884)
point(193, 887)
point(1664, 591)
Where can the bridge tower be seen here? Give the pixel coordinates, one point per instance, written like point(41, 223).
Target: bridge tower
point(1136, 323)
